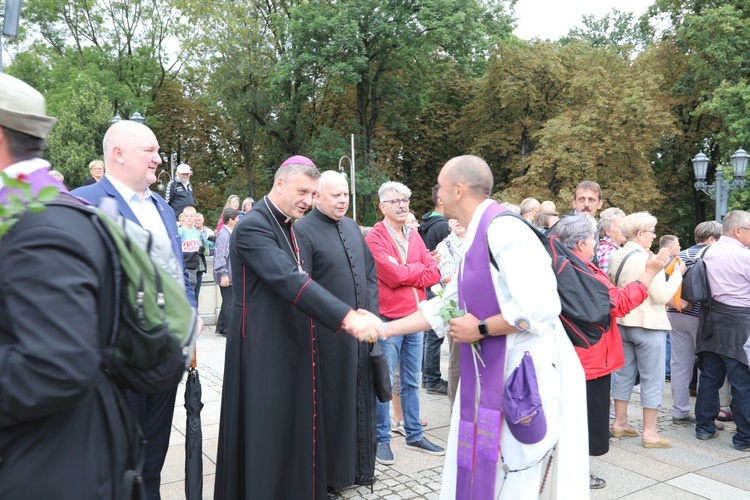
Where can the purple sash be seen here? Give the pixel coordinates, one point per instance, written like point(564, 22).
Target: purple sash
point(479, 428)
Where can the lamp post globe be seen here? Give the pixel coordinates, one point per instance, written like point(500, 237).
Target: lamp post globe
point(739, 162)
point(720, 189)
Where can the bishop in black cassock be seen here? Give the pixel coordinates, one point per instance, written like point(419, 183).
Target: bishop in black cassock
point(270, 437)
point(337, 257)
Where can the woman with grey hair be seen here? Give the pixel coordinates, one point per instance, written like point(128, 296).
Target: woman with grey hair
point(610, 236)
point(578, 233)
point(644, 330)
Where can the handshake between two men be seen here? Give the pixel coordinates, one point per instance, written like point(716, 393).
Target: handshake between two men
point(364, 325)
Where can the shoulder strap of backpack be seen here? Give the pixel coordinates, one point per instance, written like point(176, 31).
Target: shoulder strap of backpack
point(619, 269)
point(70, 201)
point(508, 213)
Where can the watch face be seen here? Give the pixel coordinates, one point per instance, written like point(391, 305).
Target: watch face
point(483, 328)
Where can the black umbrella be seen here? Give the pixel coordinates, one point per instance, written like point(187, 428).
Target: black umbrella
point(193, 436)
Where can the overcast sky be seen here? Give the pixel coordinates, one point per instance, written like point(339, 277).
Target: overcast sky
point(551, 19)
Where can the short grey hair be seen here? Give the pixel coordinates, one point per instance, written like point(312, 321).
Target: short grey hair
point(393, 186)
point(735, 219)
point(247, 201)
point(57, 175)
point(529, 204)
point(639, 221)
point(574, 228)
point(607, 219)
point(292, 169)
point(706, 230)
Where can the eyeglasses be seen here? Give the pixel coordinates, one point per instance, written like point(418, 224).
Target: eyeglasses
point(648, 231)
point(396, 202)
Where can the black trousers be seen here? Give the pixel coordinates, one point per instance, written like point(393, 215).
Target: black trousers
point(225, 313)
point(154, 413)
point(597, 403)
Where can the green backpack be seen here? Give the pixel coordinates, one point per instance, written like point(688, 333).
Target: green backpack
point(154, 325)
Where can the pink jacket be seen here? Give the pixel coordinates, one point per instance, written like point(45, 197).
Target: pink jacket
point(401, 286)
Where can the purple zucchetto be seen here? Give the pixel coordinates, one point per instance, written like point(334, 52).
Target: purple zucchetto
point(298, 160)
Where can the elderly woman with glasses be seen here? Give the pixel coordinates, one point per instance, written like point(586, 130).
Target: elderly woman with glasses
point(644, 330)
point(578, 233)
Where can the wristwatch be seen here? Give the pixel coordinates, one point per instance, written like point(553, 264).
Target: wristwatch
point(483, 331)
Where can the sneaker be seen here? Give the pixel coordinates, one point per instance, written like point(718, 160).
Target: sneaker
point(383, 454)
point(439, 388)
point(688, 420)
point(398, 428)
point(705, 437)
point(425, 446)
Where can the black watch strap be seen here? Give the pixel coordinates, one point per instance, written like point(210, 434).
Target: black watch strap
point(483, 331)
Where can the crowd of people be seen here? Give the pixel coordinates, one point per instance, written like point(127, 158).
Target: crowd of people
point(307, 294)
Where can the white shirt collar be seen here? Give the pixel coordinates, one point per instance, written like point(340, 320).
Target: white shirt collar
point(125, 191)
point(24, 167)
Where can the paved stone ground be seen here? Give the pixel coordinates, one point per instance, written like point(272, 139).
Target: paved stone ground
point(691, 469)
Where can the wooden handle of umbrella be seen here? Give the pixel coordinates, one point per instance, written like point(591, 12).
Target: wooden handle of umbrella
point(195, 357)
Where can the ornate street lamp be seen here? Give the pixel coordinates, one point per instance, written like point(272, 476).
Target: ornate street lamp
point(135, 117)
point(721, 188)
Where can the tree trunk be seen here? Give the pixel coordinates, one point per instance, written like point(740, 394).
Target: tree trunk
point(246, 147)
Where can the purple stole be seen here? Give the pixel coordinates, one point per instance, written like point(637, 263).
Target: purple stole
point(479, 428)
point(37, 180)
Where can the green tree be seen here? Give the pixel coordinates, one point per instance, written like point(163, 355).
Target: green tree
point(77, 137)
point(122, 44)
point(525, 85)
point(611, 121)
point(386, 51)
point(617, 30)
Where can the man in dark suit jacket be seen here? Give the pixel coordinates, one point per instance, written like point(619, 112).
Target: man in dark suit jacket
point(131, 157)
point(62, 432)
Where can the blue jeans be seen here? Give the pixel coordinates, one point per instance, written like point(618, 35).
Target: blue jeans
point(715, 368)
point(406, 349)
point(667, 367)
point(431, 360)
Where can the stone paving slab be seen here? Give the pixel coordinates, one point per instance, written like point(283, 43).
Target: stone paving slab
point(691, 469)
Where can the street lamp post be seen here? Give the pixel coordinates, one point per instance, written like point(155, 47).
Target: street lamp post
point(10, 16)
point(351, 179)
point(721, 188)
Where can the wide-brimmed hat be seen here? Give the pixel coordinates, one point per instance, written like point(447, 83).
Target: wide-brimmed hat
point(522, 404)
point(23, 108)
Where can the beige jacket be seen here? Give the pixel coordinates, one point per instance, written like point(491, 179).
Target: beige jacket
point(652, 314)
